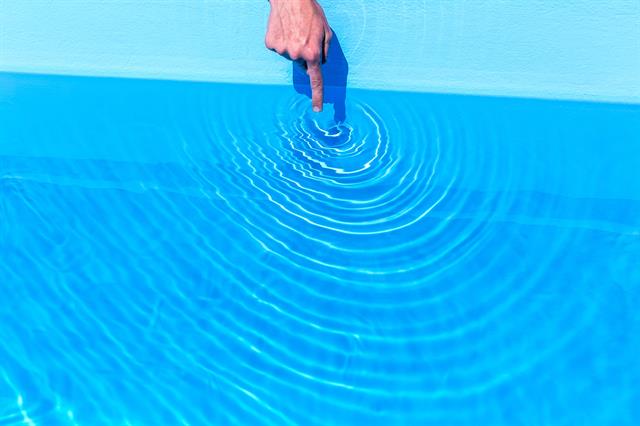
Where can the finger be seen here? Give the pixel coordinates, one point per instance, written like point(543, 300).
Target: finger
point(327, 41)
point(317, 95)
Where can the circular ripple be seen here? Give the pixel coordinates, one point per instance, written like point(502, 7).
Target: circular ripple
point(348, 203)
point(367, 244)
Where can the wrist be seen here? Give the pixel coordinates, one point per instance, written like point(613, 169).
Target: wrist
point(276, 3)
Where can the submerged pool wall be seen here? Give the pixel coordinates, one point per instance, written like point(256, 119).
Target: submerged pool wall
point(575, 49)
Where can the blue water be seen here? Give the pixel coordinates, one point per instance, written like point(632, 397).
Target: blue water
point(187, 253)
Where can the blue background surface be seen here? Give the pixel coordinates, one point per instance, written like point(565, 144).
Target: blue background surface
point(172, 254)
point(570, 49)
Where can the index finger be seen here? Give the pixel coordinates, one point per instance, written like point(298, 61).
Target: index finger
point(317, 85)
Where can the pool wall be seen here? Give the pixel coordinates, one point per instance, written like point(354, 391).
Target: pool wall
point(575, 49)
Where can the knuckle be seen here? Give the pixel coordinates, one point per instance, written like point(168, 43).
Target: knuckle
point(268, 42)
point(295, 54)
point(316, 79)
point(311, 54)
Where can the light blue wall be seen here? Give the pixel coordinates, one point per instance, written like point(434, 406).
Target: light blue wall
point(572, 49)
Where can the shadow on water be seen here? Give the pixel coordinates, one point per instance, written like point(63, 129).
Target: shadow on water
point(335, 72)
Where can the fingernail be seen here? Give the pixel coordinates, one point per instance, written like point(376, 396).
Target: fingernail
point(316, 109)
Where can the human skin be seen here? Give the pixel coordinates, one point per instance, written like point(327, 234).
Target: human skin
point(298, 30)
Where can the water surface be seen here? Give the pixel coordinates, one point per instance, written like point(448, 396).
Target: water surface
point(188, 253)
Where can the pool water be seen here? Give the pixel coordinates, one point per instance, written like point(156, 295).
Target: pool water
point(191, 253)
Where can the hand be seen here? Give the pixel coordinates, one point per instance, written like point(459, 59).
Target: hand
point(299, 31)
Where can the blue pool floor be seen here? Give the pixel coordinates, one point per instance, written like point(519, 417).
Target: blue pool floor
point(191, 253)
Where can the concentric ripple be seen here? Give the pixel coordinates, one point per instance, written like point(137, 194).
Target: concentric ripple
point(251, 262)
point(343, 194)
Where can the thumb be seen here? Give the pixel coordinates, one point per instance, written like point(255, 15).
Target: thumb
point(317, 85)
